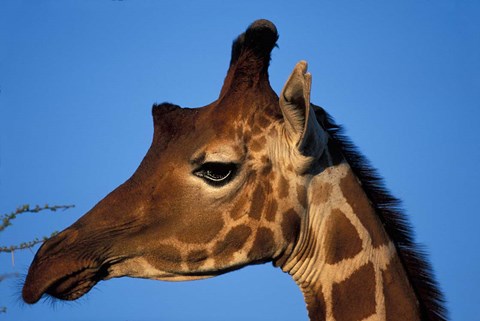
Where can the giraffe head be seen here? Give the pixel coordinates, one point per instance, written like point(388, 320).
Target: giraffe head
point(221, 187)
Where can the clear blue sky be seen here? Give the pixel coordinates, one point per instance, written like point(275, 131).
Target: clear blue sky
point(78, 79)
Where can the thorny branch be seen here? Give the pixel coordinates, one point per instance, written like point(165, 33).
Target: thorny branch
point(6, 220)
point(25, 245)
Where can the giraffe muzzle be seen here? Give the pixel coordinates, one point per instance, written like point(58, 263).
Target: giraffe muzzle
point(64, 280)
point(63, 270)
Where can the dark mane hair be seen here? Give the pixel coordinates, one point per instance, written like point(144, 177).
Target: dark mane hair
point(388, 209)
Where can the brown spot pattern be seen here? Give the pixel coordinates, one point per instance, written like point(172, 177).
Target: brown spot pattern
point(267, 186)
point(196, 258)
point(342, 240)
point(164, 256)
point(271, 211)
point(263, 121)
point(256, 146)
point(239, 209)
point(363, 209)
point(258, 202)
point(302, 195)
point(263, 245)
point(354, 298)
point(316, 306)
point(252, 177)
point(290, 225)
point(322, 193)
point(256, 130)
point(283, 187)
point(234, 241)
point(267, 166)
point(399, 297)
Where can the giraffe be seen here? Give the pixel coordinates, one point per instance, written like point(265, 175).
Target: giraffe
point(250, 178)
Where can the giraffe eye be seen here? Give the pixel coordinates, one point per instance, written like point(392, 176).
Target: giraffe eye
point(215, 173)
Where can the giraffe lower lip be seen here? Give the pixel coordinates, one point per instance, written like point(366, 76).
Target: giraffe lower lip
point(75, 285)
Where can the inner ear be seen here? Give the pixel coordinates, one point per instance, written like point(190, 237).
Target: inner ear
point(301, 125)
point(295, 103)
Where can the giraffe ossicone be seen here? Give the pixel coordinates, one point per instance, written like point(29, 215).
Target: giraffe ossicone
point(250, 178)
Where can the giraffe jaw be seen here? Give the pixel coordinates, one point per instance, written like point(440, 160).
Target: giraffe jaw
point(77, 283)
point(138, 267)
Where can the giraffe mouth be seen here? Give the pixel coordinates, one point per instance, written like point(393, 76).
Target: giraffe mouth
point(61, 282)
point(73, 286)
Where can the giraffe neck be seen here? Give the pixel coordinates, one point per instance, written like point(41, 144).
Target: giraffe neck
point(344, 262)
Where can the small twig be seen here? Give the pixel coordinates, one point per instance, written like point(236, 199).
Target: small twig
point(6, 219)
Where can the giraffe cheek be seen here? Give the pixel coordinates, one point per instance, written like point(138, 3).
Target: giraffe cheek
point(164, 257)
point(200, 229)
point(185, 216)
point(263, 245)
point(239, 209)
point(235, 240)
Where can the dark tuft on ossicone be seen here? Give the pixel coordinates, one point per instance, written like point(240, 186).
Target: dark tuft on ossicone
point(260, 38)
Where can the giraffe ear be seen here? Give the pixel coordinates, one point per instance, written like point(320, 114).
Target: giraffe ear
point(301, 125)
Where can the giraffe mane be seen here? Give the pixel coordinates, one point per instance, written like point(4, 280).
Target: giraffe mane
point(393, 218)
